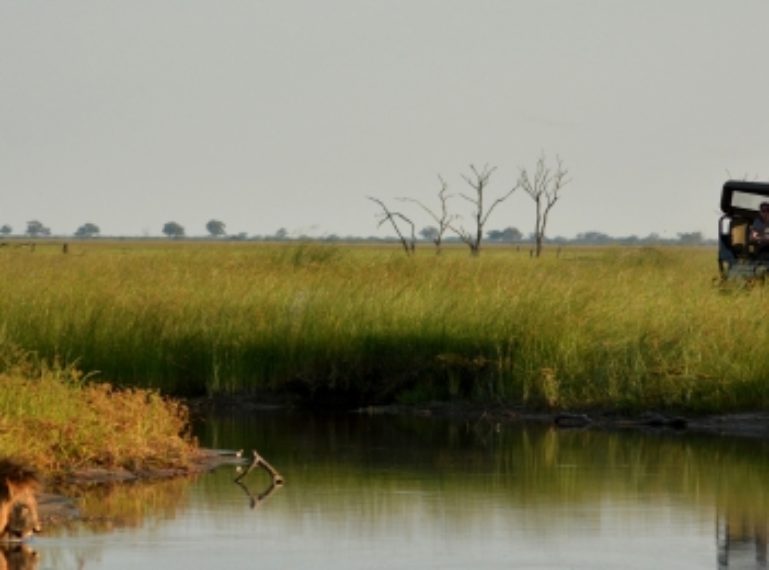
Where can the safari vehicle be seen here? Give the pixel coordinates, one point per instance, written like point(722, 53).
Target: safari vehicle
point(738, 255)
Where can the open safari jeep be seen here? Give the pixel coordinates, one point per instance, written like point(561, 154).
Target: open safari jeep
point(738, 255)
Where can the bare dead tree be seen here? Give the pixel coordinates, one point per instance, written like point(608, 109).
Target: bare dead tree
point(387, 215)
point(443, 219)
point(478, 181)
point(544, 189)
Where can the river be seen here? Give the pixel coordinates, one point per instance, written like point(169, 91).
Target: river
point(407, 492)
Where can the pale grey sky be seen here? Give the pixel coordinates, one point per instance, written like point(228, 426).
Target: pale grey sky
point(269, 114)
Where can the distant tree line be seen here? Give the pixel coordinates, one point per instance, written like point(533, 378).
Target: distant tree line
point(431, 233)
point(87, 230)
point(215, 228)
point(35, 229)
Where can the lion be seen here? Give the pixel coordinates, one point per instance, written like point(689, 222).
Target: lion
point(18, 502)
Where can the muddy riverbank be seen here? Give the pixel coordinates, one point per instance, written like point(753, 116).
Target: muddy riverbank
point(753, 424)
point(742, 424)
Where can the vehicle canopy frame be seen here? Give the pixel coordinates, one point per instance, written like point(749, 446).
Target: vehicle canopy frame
point(740, 256)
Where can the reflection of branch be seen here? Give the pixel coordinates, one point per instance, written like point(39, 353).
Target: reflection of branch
point(276, 482)
point(254, 501)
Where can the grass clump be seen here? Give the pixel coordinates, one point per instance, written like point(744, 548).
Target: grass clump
point(54, 418)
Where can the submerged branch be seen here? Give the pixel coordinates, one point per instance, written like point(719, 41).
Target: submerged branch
point(276, 479)
point(259, 461)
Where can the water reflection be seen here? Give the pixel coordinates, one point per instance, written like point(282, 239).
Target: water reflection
point(276, 479)
point(17, 557)
point(108, 506)
point(387, 492)
point(742, 541)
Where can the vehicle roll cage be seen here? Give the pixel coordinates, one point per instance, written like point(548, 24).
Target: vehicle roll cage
point(740, 203)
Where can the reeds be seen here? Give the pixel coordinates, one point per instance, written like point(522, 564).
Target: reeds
point(54, 418)
point(620, 327)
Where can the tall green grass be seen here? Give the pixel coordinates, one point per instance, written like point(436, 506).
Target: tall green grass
point(620, 327)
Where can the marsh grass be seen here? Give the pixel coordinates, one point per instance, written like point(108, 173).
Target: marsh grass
point(624, 328)
point(54, 418)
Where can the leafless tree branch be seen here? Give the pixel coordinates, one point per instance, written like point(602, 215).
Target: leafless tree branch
point(544, 188)
point(443, 219)
point(390, 216)
point(478, 181)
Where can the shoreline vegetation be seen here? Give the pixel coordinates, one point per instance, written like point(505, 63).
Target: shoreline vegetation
point(55, 419)
point(346, 326)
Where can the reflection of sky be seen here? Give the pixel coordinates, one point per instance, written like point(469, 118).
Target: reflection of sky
point(386, 493)
point(332, 534)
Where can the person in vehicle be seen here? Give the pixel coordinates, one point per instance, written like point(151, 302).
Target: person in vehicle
point(759, 230)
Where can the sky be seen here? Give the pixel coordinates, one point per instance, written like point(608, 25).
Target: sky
point(269, 114)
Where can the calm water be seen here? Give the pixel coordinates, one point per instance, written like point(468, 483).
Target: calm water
point(385, 492)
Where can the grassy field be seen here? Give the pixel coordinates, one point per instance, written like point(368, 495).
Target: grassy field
point(620, 328)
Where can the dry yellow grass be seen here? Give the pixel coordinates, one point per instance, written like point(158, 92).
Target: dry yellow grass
point(54, 419)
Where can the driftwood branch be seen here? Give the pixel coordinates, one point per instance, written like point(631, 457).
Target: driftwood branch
point(276, 481)
point(259, 461)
